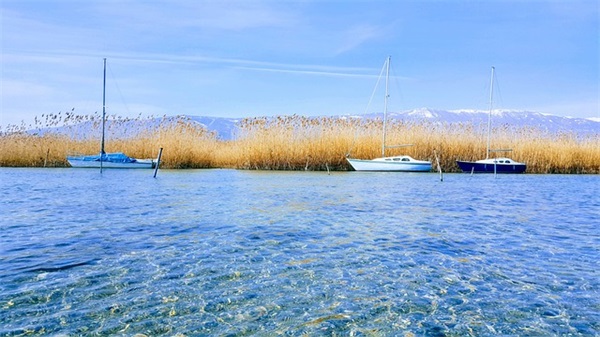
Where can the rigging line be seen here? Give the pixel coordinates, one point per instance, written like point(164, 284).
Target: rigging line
point(376, 86)
point(485, 92)
point(498, 93)
point(396, 83)
point(114, 80)
point(368, 106)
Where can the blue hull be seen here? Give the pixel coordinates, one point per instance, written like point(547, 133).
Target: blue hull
point(109, 160)
point(470, 166)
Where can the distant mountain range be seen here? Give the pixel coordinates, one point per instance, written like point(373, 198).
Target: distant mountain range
point(226, 127)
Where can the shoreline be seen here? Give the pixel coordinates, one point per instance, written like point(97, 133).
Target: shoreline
point(296, 143)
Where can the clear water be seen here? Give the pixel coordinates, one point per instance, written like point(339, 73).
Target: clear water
point(246, 253)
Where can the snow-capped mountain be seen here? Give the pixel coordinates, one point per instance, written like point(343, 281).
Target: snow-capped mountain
point(514, 118)
point(225, 127)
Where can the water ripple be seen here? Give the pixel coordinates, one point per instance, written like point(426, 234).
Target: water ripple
point(235, 253)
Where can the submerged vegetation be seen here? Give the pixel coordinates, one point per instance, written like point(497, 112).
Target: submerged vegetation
point(288, 143)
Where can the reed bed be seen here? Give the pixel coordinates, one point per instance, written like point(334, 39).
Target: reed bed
point(291, 143)
point(187, 145)
point(288, 143)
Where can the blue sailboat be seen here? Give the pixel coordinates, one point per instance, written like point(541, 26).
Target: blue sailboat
point(108, 160)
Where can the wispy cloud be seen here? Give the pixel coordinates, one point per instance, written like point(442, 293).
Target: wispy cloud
point(193, 54)
point(359, 35)
point(203, 14)
point(66, 56)
point(307, 72)
point(19, 89)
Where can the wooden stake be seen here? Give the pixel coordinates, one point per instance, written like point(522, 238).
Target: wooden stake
point(158, 161)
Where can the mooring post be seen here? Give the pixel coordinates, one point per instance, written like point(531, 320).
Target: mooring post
point(495, 168)
point(158, 161)
point(437, 159)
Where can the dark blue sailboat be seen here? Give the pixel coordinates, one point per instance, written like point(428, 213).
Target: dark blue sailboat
point(492, 165)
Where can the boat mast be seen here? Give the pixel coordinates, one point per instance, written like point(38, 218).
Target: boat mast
point(103, 108)
point(489, 126)
point(385, 104)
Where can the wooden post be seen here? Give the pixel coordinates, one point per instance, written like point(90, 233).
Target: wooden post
point(437, 159)
point(158, 161)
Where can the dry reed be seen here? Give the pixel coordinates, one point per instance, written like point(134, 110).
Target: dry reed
point(292, 143)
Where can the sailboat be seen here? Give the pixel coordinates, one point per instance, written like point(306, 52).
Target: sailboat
point(492, 165)
point(402, 163)
point(108, 160)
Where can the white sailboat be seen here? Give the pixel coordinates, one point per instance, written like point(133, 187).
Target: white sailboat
point(492, 165)
point(108, 160)
point(401, 163)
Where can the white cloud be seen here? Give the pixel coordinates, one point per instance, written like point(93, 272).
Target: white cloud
point(357, 36)
point(306, 72)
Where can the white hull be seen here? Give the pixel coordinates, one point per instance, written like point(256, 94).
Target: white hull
point(391, 164)
point(138, 164)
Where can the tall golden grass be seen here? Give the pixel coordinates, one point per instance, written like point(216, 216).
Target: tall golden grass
point(297, 143)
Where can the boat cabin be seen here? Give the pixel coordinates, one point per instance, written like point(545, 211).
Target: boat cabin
point(401, 158)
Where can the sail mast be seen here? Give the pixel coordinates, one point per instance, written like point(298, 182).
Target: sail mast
point(103, 115)
point(489, 126)
point(385, 104)
point(103, 107)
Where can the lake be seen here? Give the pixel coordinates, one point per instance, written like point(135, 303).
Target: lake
point(263, 253)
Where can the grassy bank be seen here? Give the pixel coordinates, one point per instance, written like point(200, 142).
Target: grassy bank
point(296, 143)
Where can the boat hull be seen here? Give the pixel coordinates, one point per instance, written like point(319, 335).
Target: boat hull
point(490, 167)
point(379, 165)
point(138, 164)
point(110, 160)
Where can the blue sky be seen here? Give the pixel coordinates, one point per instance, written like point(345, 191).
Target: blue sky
point(249, 58)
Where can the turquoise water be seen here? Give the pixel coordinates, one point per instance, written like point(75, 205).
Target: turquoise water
point(247, 253)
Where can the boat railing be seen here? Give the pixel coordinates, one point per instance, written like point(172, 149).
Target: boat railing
point(398, 146)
